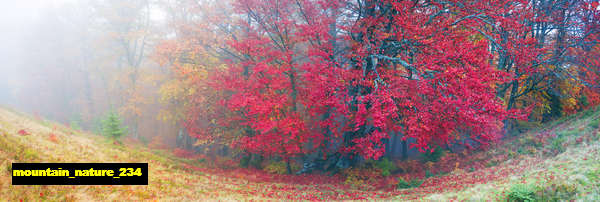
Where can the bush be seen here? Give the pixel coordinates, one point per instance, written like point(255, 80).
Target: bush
point(386, 166)
point(567, 133)
point(428, 174)
point(75, 125)
point(557, 144)
point(594, 124)
point(353, 177)
point(256, 162)
point(521, 193)
point(409, 166)
point(403, 184)
point(276, 167)
point(361, 178)
point(245, 161)
point(557, 191)
point(225, 163)
point(253, 160)
point(112, 126)
point(433, 156)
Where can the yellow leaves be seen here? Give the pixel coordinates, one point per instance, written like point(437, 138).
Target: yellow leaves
point(167, 116)
point(200, 142)
point(571, 101)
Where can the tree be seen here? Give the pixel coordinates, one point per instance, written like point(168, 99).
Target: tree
point(403, 74)
point(128, 23)
point(193, 52)
point(274, 54)
point(295, 78)
point(112, 126)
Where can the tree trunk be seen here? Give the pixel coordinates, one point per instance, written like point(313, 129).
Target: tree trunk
point(404, 149)
point(289, 167)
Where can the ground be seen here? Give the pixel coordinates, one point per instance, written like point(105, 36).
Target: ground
point(560, 160)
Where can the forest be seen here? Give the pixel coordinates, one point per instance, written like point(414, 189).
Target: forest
point(389, 98)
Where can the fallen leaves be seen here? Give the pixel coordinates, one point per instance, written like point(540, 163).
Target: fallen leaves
point(23, 132)
point(53, 138)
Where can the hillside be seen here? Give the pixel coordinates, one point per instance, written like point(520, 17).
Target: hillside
point(560, 160)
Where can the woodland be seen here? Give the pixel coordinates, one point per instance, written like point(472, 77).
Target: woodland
point(359, 91)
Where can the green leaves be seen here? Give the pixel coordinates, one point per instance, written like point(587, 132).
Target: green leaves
point(112, 125)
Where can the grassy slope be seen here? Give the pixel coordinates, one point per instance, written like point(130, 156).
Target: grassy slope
point(171, 179)
point(573, 173)
point(166, 180)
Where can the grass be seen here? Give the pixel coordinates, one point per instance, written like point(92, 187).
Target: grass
point(572, 173)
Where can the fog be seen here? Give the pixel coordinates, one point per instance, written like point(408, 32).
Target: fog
point(73, 61)
point(15, 19)
point(17, 22)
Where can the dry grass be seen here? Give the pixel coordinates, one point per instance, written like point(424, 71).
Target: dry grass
point(165, 184)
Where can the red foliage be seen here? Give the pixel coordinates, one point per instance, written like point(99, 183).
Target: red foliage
point(421, 69)
point(270, 87)
point(23, 132)
point(53, 138)
point(446, 90)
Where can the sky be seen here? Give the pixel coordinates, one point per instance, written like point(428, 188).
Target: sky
point(17, 18)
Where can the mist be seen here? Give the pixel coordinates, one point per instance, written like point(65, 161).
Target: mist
point(73, 61)
point(301, 99)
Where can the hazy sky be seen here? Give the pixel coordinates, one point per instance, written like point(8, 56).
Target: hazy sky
point(15, 17)
point(17, 20)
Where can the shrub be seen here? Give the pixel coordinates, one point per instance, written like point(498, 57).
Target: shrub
point(245, 161)
point(525, 126)
point(409, 166)
point(594, 124)
point(386, 166)
point(416, 182)
point(225, 163)
point(428, 174)
point(491, 163)
point(403, 184)
point(353, 177)
point(112, 126)
point(433, 156)
point(521, 193)
point(559, 190)
point(256, 161)
point(567, 133)
point(361, 178)
point(276, 167)
point(75, 125)
point(557, 144)
point(533, 141)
